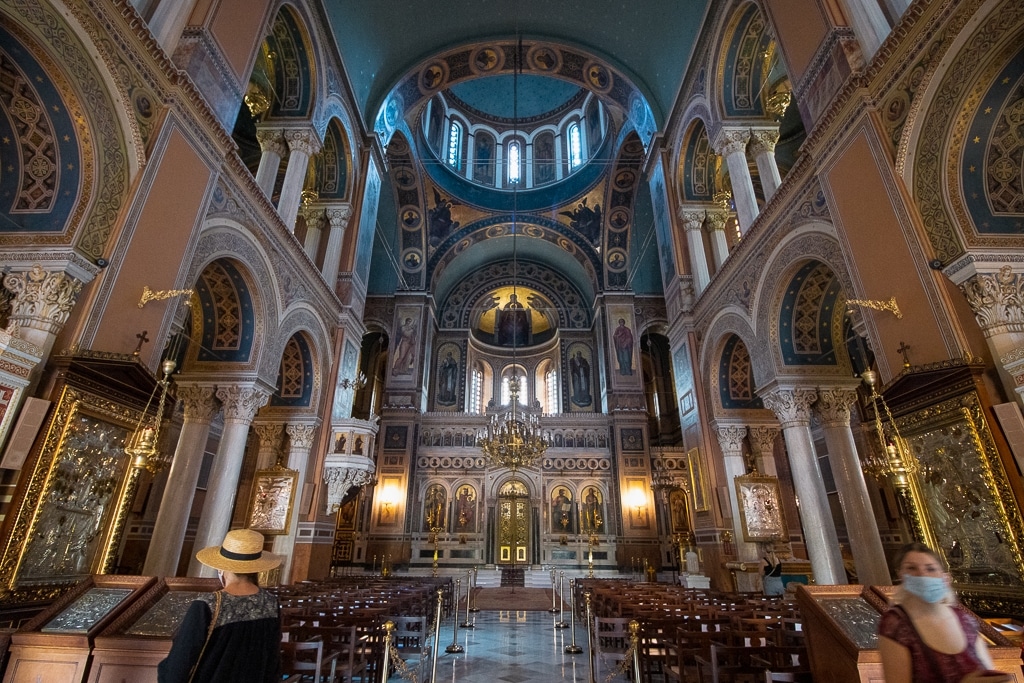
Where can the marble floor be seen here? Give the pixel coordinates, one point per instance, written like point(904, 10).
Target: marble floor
point(514, 647)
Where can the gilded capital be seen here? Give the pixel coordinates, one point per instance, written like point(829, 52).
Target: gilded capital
point(730, 438)
point(241, 403)
point(791, 406)
point(42, 300)
point(997, 300)
point(199, 402)
point(732, 141)
point(271, 141)
point(833, 406)
point(269, 434)
point(716, 220)
point(692, 220)
point(763, 141)
point(763, 438)
point(302, 140)
point(301, 435)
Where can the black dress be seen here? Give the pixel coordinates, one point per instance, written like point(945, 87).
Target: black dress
point(245, 644)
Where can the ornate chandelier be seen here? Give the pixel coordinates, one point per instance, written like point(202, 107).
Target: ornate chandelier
point(897, 464)
point(144, 444)
point(513, 438)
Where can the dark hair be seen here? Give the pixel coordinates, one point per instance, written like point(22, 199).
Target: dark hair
point(253, 578)
point(916, 547)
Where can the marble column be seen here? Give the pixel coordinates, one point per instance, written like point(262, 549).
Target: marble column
point(270, 435)
point(693, 222)
point(762, 146)
point(833, 407)
point(731, 143)
point(274, 148)
point(168, 20)
point(719, 242)
point(316, 219)
point(997, 299)
point(302, 144)
point(792, 407)
point(300, 441)
point(176, 504)
point(869, 25)
point(338, 215)
point(241, 402)
point(730, 439)
point(762, 438)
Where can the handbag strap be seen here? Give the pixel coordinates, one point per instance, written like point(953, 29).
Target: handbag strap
point(218, 596)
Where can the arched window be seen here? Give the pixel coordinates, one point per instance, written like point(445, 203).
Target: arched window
point(507, 374)
point(455, 145)
point(515, 163)
point(575, 146)
point(551, 391)
point(476, 391)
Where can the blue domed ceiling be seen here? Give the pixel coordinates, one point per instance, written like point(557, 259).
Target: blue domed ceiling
point(530, 96)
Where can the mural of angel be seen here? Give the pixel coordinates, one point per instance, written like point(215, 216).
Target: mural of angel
point(441, 223)
point(585, 220)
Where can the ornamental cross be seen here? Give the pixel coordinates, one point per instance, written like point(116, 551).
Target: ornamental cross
point(903, 349)
point(142, 340)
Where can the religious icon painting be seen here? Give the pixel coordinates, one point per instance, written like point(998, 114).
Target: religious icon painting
point(448, 375)
point(579, 371)
point(273, 496)
point(761, 512)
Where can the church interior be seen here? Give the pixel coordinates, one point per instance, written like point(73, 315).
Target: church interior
point(650, 291)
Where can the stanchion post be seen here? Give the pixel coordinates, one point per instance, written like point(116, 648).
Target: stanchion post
point(475, 576)
point(572, 649)
point(389, 627)
point(561, 602)
point(590, 635)
point(455, 647)
point(469, 592)
point(553, 608)
point(437, 635)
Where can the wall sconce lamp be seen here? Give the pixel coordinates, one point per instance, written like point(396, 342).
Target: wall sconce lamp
point(637, 499)
point(388, 497)
point(356, 384)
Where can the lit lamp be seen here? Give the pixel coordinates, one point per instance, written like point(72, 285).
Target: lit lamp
point(895, 464)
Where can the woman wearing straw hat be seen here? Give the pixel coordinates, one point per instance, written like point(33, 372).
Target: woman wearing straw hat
point(233, 634)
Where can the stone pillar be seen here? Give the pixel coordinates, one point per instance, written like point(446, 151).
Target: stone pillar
point(300, 441)
point(315, 222)
point(302, 144)
point(338, 215)
point(762, 146)
point(730, 438)
point(176, 503)
point(41, 305)
point(833, 408)
point(731, 143)
point(168, 21)
point(269, 434)
point(792, 407)
point(693, 222)
point(719, 242)
point(997, 299)
point(869, 25)
point(274, 149)
point(241, 402)
point(762, 437)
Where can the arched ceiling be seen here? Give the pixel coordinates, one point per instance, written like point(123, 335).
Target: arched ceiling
point(651, 42)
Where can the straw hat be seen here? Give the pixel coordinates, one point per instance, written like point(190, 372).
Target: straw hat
point(241, 552)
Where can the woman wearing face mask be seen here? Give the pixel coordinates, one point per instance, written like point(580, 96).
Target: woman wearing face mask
point(233, 634)
point(925, 637)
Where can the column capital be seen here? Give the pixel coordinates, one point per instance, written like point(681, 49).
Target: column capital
point(791, 405)
point(692, 219)
point(199, 403)
point(42, 299)
point(338, 214)
point(833, 406)
point(717, 220)
point(242, 402)
point(997, 300)
point(272, 140)
point(301, 435)
point(302, 140)
point(730, 438)
point(731, 140)
point(763, 438)
point(763, 140)
point(269, 433)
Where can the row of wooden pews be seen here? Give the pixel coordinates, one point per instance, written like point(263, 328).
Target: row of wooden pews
point(694, 636)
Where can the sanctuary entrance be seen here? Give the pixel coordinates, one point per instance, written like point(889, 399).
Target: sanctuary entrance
point(512, 536)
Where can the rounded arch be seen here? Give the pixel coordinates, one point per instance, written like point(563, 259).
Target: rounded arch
point(292, 72)
point(225, 320)
point(303, 323)
point(741, 64)
point(74, 96)
point(698, 169)
point(726, 331)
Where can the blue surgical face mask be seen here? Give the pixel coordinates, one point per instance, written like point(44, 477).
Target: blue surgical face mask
point(929, 588)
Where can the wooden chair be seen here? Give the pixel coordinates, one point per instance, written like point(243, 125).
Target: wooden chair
point(306, 660)
point(410, 639)
point(788, 677)
point(732, 664)
point(342, 643)
point(611, 645)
